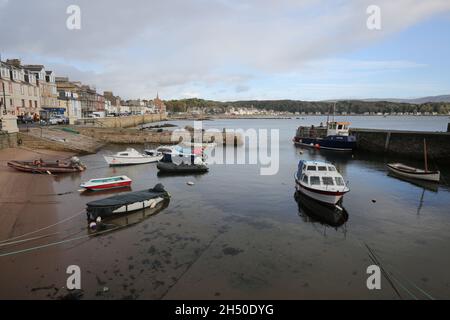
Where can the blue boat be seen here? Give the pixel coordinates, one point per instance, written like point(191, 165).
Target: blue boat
point(334, 136)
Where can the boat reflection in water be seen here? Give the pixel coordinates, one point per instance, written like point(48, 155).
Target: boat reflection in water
point(313, 211)
point(125, 220)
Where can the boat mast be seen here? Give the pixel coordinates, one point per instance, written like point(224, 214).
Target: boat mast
point(425, 153)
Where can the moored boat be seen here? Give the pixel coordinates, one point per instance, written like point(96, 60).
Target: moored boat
point(41, 166)
point(335, 136)
point(320, 181)
point(416, 173)
point(107, 183)
point(195, 165)
point(130, 157)
point(125, 203)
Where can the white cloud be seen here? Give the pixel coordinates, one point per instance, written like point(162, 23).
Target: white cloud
point(139, 47)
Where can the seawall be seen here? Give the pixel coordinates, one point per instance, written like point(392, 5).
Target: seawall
point(404, 143)
point(8, 140)
point(121, 122)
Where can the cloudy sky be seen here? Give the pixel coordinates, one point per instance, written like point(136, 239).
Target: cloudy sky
point(237, 49)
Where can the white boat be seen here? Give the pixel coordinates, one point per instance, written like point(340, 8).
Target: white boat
point(129, 157)
point(320, 181)
point(416, 173)
point(107, 183)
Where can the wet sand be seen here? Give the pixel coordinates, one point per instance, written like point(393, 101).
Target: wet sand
point(24, 208)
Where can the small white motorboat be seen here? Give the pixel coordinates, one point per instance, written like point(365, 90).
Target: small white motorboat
point(131, 156)
point(320, 181)
point(107, 183)
point(416, 173)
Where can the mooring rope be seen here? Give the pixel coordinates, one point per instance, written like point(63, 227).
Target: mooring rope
point(41, 229)
point(58, 242)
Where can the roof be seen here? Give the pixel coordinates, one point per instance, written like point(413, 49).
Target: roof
point(33, 67)
point(341, 122)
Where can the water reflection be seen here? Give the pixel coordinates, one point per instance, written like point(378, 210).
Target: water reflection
point(313, 211)
point(129, 219)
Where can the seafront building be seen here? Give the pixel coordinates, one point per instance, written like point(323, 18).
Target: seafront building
point(20, 92)
point(34, 92)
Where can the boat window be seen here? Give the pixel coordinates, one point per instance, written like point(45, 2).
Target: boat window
point(328, 181)
point(312, 168)
point(339, 181)
point(331, 169)
point(314, 180)
point(124, 154)
point(322, 168)
point(305, 179)
point(340, 127)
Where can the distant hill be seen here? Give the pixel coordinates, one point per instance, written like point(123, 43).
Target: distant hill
point(433, 99)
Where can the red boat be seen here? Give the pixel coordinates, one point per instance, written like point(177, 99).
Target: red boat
point(40, 166)
point(107, 183)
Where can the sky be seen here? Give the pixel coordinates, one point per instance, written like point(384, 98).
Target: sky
point(237, 50)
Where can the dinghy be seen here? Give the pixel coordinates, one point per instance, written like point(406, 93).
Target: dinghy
point(107, 183)
point(130, 157)
point(125, 203)
point(196, 165)
point(416, 173)
point(41, 166)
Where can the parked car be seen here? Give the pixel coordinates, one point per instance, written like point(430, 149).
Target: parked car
point(53, 121)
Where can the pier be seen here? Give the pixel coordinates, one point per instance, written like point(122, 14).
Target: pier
point(404, 143)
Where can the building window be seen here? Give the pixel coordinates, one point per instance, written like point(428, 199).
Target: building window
point(31, 104)
point(35, 104)
point(10, 88)
point(22, 91)
point(23, 103)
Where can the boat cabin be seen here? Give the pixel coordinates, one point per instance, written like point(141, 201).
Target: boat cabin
point(319, 174)
point(336, 128)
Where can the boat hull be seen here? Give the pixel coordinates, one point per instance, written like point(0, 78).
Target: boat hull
point(169, 167)
point(46, 168)
point(107, 186)
point(327, 144)
point(433, 176)
point(325, 197)
point(124, 161)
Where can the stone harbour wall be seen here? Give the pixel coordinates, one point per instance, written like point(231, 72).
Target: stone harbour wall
point(404, 143)
point(8, 140)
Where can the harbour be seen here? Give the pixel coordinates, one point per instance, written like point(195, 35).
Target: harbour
point(248, 234)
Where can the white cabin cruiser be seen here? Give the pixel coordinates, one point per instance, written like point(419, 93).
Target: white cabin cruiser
point(320, 181)
point(131, 156)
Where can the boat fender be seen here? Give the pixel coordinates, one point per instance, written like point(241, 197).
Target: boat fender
point(93, 226)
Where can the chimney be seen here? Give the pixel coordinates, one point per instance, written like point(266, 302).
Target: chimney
point(14, 62)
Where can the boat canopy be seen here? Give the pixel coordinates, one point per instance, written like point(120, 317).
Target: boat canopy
point(100, 207)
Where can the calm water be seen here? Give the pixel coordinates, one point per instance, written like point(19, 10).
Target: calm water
point(237, 234)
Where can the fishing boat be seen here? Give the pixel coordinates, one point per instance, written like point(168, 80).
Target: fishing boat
point(194, 165)
point(125, 203)
point(415, 173)
point(130, 157)
point(320, 181)
point(107, 183)
point(334, 136)
point(41, 166)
